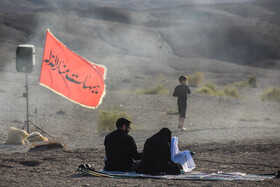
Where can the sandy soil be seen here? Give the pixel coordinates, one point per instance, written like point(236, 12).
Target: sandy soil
point(57, 167)
point(143, 46)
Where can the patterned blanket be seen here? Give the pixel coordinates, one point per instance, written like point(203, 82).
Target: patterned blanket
point(194, 175)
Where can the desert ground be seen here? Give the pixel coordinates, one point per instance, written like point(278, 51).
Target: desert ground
point(142, 44)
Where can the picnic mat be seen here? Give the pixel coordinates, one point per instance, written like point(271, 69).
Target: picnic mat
point(194, 175)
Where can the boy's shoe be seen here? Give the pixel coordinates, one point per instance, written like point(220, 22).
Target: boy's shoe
point(183, 129)
point(179, 127)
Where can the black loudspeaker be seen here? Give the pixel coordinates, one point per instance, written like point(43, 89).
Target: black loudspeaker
point(25, 58)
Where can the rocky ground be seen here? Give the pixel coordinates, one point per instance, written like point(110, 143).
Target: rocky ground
point(57, 167)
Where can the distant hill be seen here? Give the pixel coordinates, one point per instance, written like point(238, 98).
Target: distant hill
point(241, 33)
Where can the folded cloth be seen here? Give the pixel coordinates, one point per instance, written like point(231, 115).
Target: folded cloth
point(182, 157)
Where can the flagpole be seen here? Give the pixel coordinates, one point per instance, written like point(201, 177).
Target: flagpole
point(27, 109)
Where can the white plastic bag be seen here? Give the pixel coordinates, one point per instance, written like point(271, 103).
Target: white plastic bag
point(182, 157)
point(16, 136)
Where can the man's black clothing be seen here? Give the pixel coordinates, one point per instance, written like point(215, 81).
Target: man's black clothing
point(121, 150)
point(157, 155)
point(182, 92)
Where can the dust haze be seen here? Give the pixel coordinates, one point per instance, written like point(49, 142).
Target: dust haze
point(144, 43)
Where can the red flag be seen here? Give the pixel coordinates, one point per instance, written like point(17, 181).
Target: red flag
point(70, 75)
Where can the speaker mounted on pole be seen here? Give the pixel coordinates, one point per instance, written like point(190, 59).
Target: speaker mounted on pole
point(25, 62)
point(25, 58)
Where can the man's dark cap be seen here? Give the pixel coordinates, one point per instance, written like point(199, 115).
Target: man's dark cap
point(121, 121)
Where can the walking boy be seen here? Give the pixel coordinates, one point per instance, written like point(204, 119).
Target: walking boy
point(181, 91)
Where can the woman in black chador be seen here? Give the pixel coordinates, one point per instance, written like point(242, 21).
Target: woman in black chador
point(157, 155)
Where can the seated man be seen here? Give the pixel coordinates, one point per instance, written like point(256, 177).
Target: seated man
point(157, 155)
point(121, 150)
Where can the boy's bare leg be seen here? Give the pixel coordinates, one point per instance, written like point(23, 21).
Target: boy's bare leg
point(179, 126)
point(181, 122)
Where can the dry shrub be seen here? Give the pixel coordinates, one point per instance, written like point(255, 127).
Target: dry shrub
point(171, 112)
point(196, 79)
point(107, 119)
point(211, 86)
point(210, 89)
point(231, 92)
point(206, 90)
point(271, 94)
point(160, 77)
point(250, 82)
point(158, 89)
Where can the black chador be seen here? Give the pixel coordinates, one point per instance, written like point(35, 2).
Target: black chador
point(157, 155)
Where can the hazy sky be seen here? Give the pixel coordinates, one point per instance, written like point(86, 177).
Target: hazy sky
point(220, 1)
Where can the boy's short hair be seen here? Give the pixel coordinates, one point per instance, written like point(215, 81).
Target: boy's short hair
point(121, 121)
point(183, 78)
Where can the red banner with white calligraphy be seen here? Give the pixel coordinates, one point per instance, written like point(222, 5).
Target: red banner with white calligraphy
point(70, 75)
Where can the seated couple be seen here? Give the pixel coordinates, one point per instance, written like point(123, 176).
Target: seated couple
point(157, 157)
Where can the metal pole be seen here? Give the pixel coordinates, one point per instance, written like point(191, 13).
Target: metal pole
point(27, 113)
point(27, 122)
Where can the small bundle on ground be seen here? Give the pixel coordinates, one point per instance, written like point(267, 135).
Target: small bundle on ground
point(16, 136)
point(47, 146)
point(36, 137)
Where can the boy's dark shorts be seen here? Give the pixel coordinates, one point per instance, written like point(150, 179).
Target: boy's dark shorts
point(182, 108)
